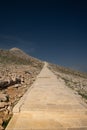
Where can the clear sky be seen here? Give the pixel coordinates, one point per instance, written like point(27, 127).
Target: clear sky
point(51, 30)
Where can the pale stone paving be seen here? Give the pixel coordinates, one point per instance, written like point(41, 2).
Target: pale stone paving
point(49, 105)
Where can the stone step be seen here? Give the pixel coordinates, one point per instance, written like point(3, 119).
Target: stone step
point(25, 122)
point(80, 128)
point(53, 114)
point(29, 124)
point(53, 107)
point(30, 121)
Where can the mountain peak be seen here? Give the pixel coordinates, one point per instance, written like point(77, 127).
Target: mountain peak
point(18, 52)
point(15, 49)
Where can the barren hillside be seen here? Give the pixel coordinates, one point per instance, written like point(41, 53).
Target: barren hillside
point(75, 80)
point(18, 71)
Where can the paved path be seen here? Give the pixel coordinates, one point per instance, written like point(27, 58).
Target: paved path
point(49, 105)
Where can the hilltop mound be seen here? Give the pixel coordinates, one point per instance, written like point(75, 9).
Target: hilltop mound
point(19, 53)
point(17, 56)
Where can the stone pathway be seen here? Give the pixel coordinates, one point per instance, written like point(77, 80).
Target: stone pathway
point(49, 105)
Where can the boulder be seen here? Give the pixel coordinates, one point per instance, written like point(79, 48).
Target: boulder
point(4, 97)
point(10, 82)
point(3, 84)
point(3, 105)
point(17, 85)
point(28, 72)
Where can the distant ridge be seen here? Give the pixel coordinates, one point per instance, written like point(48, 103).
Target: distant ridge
point(67, 71)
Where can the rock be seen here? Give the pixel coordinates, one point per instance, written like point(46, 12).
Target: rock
point(1, 121)
point(28, 72)
point(18, 81)
point(9, 82)
point(9, 108)
point(1, 128)
point(24, 86)
point(20, 95)
point(17, 85)
point(6, 112)
point(4, 97)
point(3, 104)
point(3, 84)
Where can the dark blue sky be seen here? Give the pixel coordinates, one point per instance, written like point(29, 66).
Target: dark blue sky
point(52, 30)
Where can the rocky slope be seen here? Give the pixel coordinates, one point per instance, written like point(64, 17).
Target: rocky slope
point(17, 73)
point(76, 80)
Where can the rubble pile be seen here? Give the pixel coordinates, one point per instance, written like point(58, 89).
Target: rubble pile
point(15, 80)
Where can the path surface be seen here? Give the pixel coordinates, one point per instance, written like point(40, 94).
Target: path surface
point(49, 105)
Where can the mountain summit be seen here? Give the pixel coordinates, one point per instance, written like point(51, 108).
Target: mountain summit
point(19, 53)
point(17, 56)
